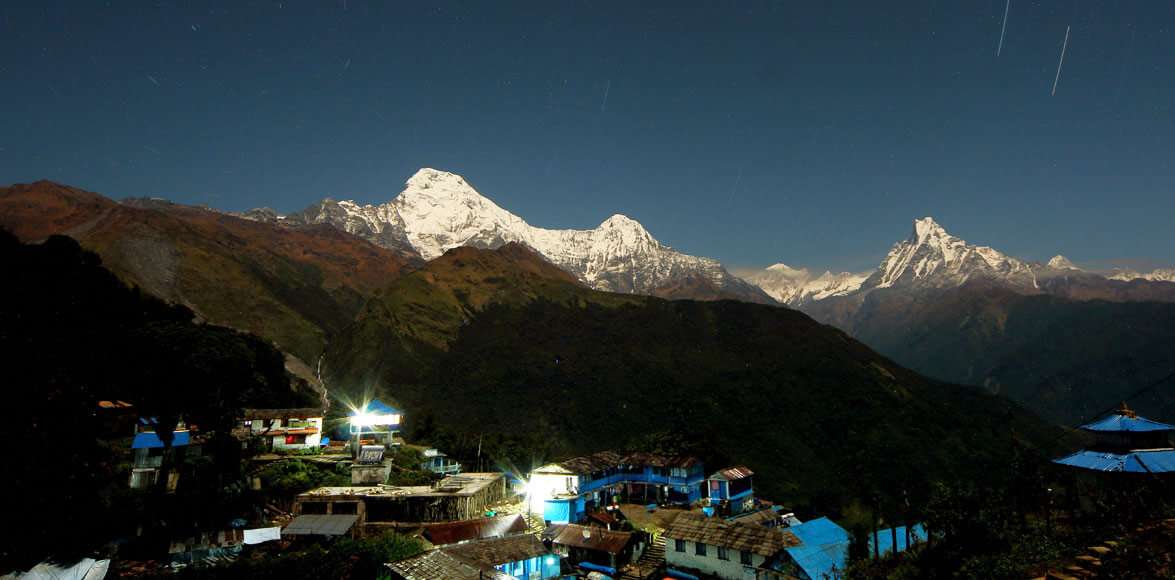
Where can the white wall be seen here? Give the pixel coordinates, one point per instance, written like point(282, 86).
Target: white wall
point(542, 486)
point(710, 563)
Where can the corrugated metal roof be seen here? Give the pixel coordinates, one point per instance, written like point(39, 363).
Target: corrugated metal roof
point(597, 539)
point(152, 441)
point(610, 459)
point(454, 532)
point(320, 525)
point(270, 414)
point(1147, 461)
point(1119, 422)
point(437, 564)
point(822, 550)
point(732, 473)
point(498, 551)
point(696, 527)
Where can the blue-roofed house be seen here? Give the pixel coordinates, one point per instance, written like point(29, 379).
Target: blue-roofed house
point(148, 451)
point(821, 554)
point(1126, 443)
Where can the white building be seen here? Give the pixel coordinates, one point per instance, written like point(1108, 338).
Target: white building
point(285, 429)
point(712, 545)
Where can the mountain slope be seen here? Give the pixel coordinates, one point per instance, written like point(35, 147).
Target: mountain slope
point(1065, 359)
point(494, 343)
point(438, 211)
point(294, 286)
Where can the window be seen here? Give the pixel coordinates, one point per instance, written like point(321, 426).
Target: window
point(723, 554)
point(295, 439)
point(745, 558)
point(679, 545)
point(700, 549)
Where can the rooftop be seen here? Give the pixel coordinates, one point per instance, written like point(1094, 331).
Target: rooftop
point(696, 527)
point(732, 473)
point(1126, 422)
point(1138, 461)
point(438, 564)
point(269, 414)
point(320, 525)
point(592, 538)
point(610, 459)
point(823, 547)
point(455, 532)
point(498, 551)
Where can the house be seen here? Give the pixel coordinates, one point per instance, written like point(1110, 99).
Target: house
point(284, 429)
point(563, 492)
point(375, 423)
point(520, 556)
point(438, 462)
point(821, 554)
point(730, 491)
point(381, 507)
point(595, 549)
point(715, 546)
point(447, 533)
point(148, 452)
point(1126, 444)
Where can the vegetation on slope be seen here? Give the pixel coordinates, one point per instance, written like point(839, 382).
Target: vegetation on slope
point(294, 286)
point(1064, 359)
point(71, 334)
point(491, 348)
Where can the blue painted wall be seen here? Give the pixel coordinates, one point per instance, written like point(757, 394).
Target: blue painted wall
point(547, 566)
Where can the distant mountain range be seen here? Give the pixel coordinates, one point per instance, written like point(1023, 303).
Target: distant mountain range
point(933, 259)
point(936, 303)
point(438, 211)
point(1064, 341)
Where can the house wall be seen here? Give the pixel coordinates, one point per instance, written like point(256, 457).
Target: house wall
point(538, 567)
point(543, 486)
point(710, 564)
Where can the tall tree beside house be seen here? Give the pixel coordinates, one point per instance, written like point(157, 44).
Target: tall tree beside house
point(72, 334)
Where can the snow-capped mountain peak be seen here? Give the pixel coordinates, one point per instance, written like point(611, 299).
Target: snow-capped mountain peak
point(438, 210)
point(932, 257)
point(926, 229)
point(1060, 262)
point(798, 286)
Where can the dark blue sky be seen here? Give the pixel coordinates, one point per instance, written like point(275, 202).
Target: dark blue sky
point(808, 132)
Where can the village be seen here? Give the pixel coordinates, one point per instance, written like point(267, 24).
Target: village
point(630, 515)
point(604, 515)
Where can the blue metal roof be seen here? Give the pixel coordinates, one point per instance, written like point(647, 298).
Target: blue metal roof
point(885, 538)
point(1118, 422)
point(1157, 461)
point(823, 548)
point(152, 441)
point(378, 407)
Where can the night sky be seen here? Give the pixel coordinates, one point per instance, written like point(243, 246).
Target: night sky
point(805, 132)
